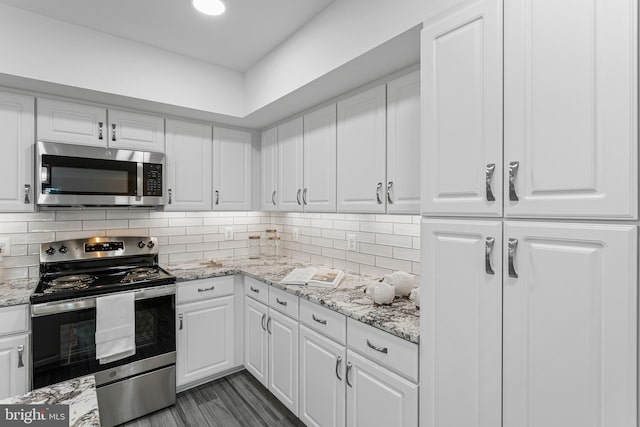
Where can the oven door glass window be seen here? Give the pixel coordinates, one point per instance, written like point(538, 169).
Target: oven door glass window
point(80, 176)
point(64, 343)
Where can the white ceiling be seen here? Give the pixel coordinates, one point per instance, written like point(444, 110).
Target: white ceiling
point(245, 33)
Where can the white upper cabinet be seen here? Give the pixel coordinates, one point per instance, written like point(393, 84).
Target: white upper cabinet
point(16, 162)
point(570, 325)
point(462, 112)
point(319, 192)
point(403, 144)
point(189, 169)
point(136, 131)
point(362, 152)
point(290, 164)
point(570, 104)
point(232, 169)
point(72, 123)
point(461, 323)
point(269, 168)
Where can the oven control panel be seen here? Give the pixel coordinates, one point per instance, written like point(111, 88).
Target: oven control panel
point(103, 247)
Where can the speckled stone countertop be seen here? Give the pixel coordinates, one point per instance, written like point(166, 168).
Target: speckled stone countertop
point(79, 394)
point(401, 318)
point(16, 291)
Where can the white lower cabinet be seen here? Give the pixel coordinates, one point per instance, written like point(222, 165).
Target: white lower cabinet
point(14, 363)
point(378, 397)
point(322, 387)
point(205, 328)
point(283, 359)
point(256, 340)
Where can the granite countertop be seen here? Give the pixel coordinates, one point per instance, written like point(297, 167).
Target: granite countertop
point(79, 394)
point(16, 291)
point(401, 318)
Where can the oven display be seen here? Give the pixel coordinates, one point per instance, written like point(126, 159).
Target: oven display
point(104, 247)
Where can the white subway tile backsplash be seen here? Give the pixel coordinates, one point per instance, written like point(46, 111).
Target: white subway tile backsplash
point(322, 223)
point(109, 224)
point(407, 254)
point(203, 229)
point(195, 238)
point(166, 231)
point(380, 250)
point(15, 227)
point(195, 247)
point(22, 217)
point(161, 214)
point(406, 219)
point(142, 232)
point(394, 240)
point(376, 227)
point(172, 249)
point(407, 229)
point(185, 222)
point(333, 253)
point(360, 258)
point(149, 223)
point(186, 256)
point(80, 215)
point(127, 214)
point(35, 227)
point(334, 234)
point(367, 270)
point(70, 235)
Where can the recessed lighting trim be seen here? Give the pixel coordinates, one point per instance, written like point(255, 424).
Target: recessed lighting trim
point(210, 7)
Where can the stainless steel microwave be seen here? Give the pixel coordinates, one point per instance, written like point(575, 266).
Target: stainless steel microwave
point(78, 175)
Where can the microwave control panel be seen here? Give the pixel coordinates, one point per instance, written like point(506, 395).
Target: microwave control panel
point(152, 179)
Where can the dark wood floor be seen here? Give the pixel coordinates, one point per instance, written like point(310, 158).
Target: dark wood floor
point(237, 400)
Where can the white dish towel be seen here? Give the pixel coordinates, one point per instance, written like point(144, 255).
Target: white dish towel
point(115, 327)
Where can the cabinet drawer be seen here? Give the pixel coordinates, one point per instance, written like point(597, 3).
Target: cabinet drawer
point(256, 290)
point(14, 319)
point(284, 302)
point(398, 355)
point(325, 321)
point(199, 290)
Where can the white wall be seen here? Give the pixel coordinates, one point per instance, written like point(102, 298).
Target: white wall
point(42, 48)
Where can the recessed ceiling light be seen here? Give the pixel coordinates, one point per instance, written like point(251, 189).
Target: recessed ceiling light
point(209, 7)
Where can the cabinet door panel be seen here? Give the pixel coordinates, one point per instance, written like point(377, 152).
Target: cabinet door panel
point(461, 320)
point(570, 325)
point(232, 174)
point(189, 170)
point(15, 378)
point(256, 340)
point(206, 341)
point(16, 162)
point(403, 144)
point(70, 123)
point(322, 387)
point(378, 397)
point(135, 131)
point(290, 158)
point(283, 359)
point(320, 160)
point(269, 162)
point(571, 108)
point(462, 111)
point(362, 152)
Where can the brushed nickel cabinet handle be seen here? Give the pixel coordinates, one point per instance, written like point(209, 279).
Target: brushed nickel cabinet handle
point(338, 362)
point(269, 325)
point(20, 351)
point(378, 188)
point(273, 197)
point(113, 132)
point(170, 196)
point(281, 302)
point(317, 319)
point(206, 289)
point(384, 350)
point(346, 374)
point(217, 197)
point(180, 317)
point(298, 196)
point(513, 245)
point(491, 167)
point(488, 249)
point(304, 196)
point(262, 321)
point(27, 190)
point(513, 173)
point(389, 187)
point(100, 124)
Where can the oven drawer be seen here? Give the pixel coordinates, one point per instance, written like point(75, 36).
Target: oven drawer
point(14, 319)
point(199, 290)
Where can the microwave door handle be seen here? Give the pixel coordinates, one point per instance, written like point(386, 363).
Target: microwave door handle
point(139, 181)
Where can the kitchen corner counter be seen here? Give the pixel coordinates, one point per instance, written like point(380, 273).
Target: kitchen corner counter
point(79, 393)
point(401, 319)
point(16, 291)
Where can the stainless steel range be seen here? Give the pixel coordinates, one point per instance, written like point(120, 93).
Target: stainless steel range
point(74, 274)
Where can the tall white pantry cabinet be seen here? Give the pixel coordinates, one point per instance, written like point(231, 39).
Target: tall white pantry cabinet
point(530, 208)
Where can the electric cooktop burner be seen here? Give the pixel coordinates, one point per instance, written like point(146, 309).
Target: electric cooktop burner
point(70, 282)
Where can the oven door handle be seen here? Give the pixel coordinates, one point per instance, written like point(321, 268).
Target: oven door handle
point(56, 307)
